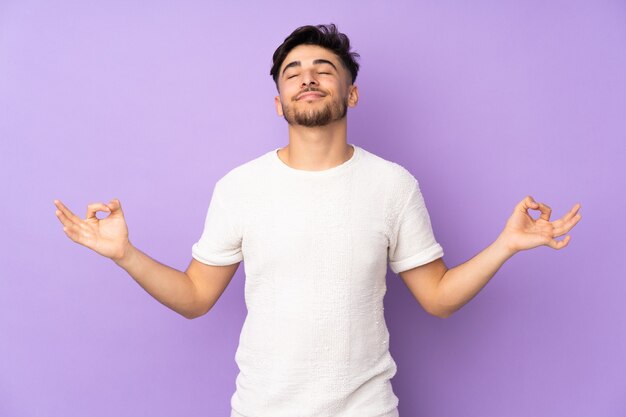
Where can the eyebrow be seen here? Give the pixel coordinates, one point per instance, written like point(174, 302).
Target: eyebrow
point(316, 62)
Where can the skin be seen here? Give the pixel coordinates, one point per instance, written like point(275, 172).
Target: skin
point(320, 147)
point(442, 291)
point(192, 293)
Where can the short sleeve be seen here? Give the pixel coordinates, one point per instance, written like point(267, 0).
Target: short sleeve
point(412, 241)
point(220, 242)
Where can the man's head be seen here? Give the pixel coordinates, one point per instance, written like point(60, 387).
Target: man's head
point(326, 36)
point(316, 60)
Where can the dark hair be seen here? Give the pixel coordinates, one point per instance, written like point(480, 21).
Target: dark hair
point(326, 36)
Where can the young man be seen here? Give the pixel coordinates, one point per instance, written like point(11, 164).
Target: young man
point(317, 222)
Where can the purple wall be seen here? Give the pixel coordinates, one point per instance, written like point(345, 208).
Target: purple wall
point(152, 102)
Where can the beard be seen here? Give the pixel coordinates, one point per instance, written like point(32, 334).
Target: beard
point(310, 117)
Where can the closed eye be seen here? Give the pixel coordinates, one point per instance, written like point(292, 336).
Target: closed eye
point(295, 75)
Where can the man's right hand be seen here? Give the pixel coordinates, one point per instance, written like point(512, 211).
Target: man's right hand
point(191, 293)
point(107, 236)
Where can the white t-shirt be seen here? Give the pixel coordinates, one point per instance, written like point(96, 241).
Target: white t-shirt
point(315, 246)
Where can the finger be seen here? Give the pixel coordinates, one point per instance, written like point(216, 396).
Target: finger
point(93, 208)
point(569, 220)
point(78, 234)
point(563, 221)
point(570, 214)
point(527, 203)
point(561, 226)
point(115, 205)
point(73, 232)
point(65, 221)
point(559, 244)
point(71, 228)
point(67, 212)
point(546, 211)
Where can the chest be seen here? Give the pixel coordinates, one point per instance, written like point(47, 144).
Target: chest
point(316, 228)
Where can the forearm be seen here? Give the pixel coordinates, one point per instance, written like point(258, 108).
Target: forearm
point(461, 283)
point(170, 287)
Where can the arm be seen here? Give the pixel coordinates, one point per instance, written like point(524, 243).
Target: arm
point(461, 283)
point(443, 291)
point(191, 293)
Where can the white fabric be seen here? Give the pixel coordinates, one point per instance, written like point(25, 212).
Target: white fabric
point(316, 245)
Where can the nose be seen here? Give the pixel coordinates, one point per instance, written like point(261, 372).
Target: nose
point(308, 79)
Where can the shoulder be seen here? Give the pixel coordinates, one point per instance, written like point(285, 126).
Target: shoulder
point(395, 178)
point(245, 177)
point(246, 171)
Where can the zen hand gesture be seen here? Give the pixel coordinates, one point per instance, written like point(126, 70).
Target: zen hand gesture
point(107, 236)
point(523, 232)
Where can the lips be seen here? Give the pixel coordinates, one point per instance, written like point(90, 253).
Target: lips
point(310, 94)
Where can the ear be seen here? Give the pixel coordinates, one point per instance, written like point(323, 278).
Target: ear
point(353, 96)
point(279, 107)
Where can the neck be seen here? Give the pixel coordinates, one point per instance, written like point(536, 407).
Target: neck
point(317, 148)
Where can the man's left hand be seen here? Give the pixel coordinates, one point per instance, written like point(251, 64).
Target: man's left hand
point(523, 232)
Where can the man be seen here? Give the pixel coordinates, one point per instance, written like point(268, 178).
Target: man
point(317, 223)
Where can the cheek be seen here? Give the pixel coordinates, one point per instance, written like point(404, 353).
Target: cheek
point(339, 86)
point(287, 93)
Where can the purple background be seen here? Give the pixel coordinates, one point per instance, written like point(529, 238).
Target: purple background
point(152, 102)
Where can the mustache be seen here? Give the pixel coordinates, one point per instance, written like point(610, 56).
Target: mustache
point(306, 90)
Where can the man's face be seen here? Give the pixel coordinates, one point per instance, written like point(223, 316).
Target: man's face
point(314, 87)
